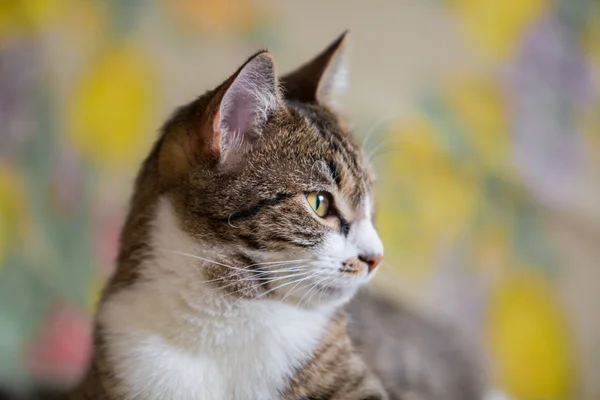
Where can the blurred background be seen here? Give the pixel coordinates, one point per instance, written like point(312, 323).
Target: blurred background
point(481, 116)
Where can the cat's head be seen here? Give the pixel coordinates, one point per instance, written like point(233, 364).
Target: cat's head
point(272, 193)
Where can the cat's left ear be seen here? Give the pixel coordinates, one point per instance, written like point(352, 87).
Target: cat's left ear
point(245, 106)
point(223, 125)
point(322, 80)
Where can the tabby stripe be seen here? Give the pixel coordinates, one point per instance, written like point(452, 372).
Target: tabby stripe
point(335, 172)
point(294, 242)
point(322, 125)
point(307, 235)
point(255, 209)
point(334, 136)
point(250, 262)
point(339, 146)
point(338, 141)
point(344, 226)
point(252, 242)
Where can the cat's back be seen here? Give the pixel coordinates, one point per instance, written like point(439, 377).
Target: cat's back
point(414, 357)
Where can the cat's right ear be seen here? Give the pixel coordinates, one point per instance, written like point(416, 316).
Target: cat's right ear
point(223, 125)
point(323, 79)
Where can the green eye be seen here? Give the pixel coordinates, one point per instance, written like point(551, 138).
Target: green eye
point(319, 201)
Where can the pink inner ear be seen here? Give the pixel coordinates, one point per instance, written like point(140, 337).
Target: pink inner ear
point(216, 142)
point(242, 110)
point(245, 107)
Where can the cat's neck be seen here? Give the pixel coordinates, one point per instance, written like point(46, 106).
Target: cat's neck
point(171, 322)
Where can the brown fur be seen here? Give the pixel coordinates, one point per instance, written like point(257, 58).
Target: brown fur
point(336, 371)
point(255, 201)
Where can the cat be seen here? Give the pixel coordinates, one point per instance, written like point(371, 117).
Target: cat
point(250, 230)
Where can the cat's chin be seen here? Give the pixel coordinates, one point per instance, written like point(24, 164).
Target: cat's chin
point(323, 295)
point(337, 295)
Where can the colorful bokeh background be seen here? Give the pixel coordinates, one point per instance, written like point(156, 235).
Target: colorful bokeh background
point(481, 116)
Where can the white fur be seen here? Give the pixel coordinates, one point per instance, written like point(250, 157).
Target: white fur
point(364, 235)
point(172, 337)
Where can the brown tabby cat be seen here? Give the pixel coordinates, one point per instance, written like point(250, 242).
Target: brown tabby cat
point(249, 230)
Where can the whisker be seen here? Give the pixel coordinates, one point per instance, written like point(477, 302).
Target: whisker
point(319, 290)
point(216, 262)
point(384, 144)
point(261, 271)
point(259, 274)
point(327, 285)
point(280, 286)
point(290, 291)
point(200, 258)
point(302, 287)
point(314, 273)
point(229, 222)
point(298, 272)
point(241, 270)
point(266, 280)
point(225, 265)
point(309, 290)
point(262, 283)
point(274, 264)
point(277, 262)
point(376, 126)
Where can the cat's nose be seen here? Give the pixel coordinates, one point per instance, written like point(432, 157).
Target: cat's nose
point(372, 260)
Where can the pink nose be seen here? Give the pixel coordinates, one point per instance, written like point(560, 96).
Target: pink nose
point(372, 261)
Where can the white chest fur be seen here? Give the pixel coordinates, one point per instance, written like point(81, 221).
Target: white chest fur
point(171, 337)
point(249, 354)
